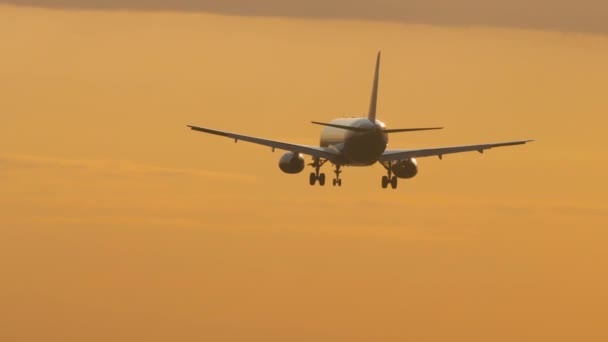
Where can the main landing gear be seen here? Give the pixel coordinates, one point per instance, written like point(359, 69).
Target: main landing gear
point(316, 176)
point(320, 177)
point(389, 179)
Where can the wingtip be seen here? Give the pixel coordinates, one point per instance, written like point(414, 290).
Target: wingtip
point(192, 127)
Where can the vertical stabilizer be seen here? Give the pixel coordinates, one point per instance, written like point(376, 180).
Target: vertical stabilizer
point(372, 105)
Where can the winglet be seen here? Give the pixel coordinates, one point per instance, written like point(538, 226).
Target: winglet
point(372, 105)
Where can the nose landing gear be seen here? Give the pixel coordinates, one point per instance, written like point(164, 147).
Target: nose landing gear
point(337, 181)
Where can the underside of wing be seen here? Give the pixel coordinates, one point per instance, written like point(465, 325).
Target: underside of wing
point(390, 155)
point(314, 151)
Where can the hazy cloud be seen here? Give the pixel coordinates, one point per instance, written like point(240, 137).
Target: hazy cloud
point(562, 15)
point(111, 167)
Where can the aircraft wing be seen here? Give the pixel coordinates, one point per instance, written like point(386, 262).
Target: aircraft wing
point(390, 155)
point(314, 151)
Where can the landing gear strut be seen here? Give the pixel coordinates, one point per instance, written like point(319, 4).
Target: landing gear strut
point(389, 179)
point(337, 180)
point(316, 176)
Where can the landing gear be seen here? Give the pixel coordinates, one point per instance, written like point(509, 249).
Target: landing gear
point(320, 177)
point(389, 179)
point(385, 182)
point(337, 181)
point(316, 176)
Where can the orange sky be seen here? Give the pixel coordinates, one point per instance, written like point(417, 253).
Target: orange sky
point(118, 223)
point(562, 15)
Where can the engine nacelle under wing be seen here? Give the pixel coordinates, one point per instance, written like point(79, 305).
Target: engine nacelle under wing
point(405, 168)
point(291, 163)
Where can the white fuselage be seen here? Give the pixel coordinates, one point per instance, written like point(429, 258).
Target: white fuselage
point(356, 148)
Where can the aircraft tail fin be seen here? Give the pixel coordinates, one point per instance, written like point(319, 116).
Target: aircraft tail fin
point(374, 99)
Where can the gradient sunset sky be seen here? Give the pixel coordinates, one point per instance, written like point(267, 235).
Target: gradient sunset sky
point(117, 223)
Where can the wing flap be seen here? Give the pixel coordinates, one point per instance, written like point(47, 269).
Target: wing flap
point(314, 151)
point(390, 155)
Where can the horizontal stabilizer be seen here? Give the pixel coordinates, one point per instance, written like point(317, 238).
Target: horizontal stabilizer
point(365, 129)
point(349, 128)
point(399, 130)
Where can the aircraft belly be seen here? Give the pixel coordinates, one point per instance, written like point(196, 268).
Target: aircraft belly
point(364, 149)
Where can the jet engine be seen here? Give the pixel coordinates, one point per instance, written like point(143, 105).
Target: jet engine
point(291, 163)
point(405, 168)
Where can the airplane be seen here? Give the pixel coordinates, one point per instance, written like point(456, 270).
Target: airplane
point(360, 141)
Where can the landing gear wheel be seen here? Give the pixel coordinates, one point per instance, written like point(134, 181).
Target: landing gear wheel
point(322, 179)
point(316, 176)
point(313, 178)
point(335, 181)
point(389, 178)
point(385, 182)
point(339, 182)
